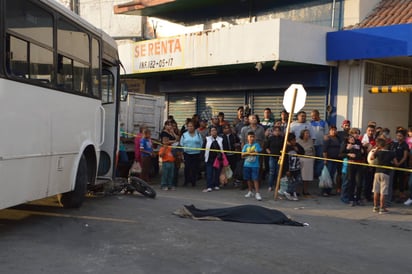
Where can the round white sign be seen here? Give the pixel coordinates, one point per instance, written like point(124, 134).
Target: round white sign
point(300, 98)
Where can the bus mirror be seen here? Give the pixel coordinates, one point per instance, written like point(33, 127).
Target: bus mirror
point(123, 91)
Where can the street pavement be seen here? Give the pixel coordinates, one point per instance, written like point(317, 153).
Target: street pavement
point(135, 234)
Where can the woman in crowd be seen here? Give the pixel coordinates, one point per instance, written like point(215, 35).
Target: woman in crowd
point(352, 150)
point(213, 145)
point(305, 140)
point(192, 142)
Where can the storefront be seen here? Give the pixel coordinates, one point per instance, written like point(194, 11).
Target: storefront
point(374, 56)
point(221, 93)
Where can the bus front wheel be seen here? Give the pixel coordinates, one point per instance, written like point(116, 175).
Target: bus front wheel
point(75, 198)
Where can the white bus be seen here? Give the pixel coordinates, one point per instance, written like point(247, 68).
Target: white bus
point(59, 100)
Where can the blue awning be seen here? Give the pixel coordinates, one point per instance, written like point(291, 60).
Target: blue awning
point(368, 43)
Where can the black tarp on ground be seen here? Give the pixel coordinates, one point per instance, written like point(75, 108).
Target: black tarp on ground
point(243, 214)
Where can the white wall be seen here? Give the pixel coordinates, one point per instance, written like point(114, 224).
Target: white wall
point(355, 103)
point(349, 103)
point(357, 10)
point(265, 41)
point(100, 14)
point(388, 110)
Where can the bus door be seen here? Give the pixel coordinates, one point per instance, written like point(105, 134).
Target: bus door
point(110, 105)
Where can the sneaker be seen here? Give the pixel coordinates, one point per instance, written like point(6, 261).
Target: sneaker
point(270, 189)
point(249, 194)
point(217, 188)
point(165, 188)
point(258, 197)
point(288, 196)
point(295, 197)
point(408, 202)
point(207, 190)
point(375, 209)
point(383, 211)
point(172, 188)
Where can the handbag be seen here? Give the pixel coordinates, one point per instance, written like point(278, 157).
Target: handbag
point(216, 163)
point(225, 161)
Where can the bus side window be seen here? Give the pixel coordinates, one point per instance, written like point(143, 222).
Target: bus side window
point(64, 72)
point(17, 57)
point(107, 87)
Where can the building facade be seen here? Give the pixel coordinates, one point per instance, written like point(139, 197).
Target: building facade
point(216, 58)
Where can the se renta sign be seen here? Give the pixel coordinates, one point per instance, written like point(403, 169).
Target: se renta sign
point(158, 54)
point(299, 100)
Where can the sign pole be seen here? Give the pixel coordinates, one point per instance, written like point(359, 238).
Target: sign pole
point(282, 155)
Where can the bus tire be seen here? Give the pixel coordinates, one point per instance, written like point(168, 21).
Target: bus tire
point(75, 198)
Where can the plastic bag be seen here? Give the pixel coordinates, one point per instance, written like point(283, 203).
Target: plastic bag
point(222, 177)
point(369, 157)
point(136, 168)
point(284, 182)
point(228, 171)
point(325, 181)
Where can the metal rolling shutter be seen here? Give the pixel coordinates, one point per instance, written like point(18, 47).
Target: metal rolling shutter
point(267, 99)
point(181, 106)
point(315, 99)
point(226, 102)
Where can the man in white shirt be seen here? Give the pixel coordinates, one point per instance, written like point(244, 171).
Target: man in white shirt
point(321, 128)
point(297, 126)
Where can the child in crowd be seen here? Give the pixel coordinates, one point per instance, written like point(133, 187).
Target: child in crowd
point(274, 145)
point(251, 165)
point(381, 180)
point(168, 165)
point(292, 167)
point(146, 151)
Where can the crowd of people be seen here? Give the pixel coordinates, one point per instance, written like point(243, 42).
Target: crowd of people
point(360, 165)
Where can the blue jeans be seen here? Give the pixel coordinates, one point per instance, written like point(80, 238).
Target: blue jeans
point(212, 175)
point(345, 192)
point(273, 170)
point(317, 168)
point(410, 184)
point(168, 170)
point(295, 179)
point(332, 168)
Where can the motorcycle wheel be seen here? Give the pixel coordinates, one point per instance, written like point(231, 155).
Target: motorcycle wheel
point(142, 187)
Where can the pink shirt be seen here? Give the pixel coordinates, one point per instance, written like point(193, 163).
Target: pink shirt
point(409, 142)
point(137, 155)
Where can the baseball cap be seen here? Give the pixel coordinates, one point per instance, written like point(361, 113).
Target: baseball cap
point(345, 122)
